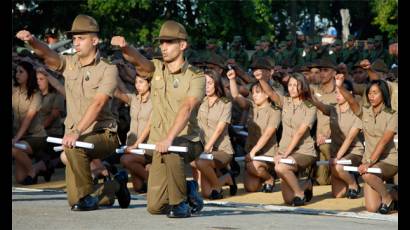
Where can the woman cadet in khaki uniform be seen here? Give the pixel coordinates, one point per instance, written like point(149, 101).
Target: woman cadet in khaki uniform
point(344, 126)
point(298, 116)
point(214, 116)
point(27, 127)
point(140, 113)
point(263, 121)
point(52, 108)
point(379, 127)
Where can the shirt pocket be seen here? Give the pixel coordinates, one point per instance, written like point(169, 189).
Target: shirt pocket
point(71, 78)
point(91, 86)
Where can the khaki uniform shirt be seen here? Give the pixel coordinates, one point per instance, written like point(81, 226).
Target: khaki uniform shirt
point(52, 101)
point(140, 112)
point(374, 126)
point(292, 118)
point(259, 120)
point(168, 91)
point(323, 121)
point(21, 106)
point(82, 83)
point(340, 124)
point(208, 119)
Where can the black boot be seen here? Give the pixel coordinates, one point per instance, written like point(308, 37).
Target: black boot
point(86, 203)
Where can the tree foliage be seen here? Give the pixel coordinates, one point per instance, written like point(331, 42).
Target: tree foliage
point(386, 15)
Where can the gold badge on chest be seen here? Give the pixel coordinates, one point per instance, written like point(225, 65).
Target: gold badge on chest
point(176, 83)
point(87, 75)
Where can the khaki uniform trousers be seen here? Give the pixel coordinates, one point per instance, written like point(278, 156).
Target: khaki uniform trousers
point(78, 174)
point(323, 172)
point(166, 180)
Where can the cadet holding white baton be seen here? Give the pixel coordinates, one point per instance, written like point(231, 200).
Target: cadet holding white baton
point(80, 144)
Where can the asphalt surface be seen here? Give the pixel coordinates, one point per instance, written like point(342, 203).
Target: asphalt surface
point(39, 209)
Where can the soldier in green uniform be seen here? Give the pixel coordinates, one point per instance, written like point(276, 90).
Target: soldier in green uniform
point(350, 54)
point(237, 53)
point(177, 89)
point(335, 53)
point(379, 52)
point(90, 82)
point(290, 54)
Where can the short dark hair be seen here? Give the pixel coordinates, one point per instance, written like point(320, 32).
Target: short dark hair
point(384, 88)
point(217, 82)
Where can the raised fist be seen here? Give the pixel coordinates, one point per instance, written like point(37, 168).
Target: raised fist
point(118, 41)
point(231, 74)
point(24, 35)
point(339, 79)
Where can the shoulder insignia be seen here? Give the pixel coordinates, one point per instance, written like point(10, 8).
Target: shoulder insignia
point(333, 104)
point(308, 103)
point(106, 61)
point(225, 100)
point(366, 106)
point(195, 70)
point(274, 106)
point(389, 110)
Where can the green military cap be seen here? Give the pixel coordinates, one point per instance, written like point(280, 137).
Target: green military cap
point(350, 37)
point(215, 59)
point(260, 63)
point(378, 38)
point(338, 42)
point(289, 37)
point(84, 24)
point(370, 41)
point(326, 62)
point(237, 39)
point(258, 42)
point(271, 61)
point(379, 66)
point(282, 44)
point(264, 38)
point(172, 30)
point(392, 41)
point(211, 41)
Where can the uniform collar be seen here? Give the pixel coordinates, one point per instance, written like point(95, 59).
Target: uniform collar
point(139, 98)
point(182, 70)
point(95, 60)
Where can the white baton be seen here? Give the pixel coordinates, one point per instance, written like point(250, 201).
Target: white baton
point(340, 162)
point(328, 141)
point(133, 151)
point(81, 144)
point(21, 146)
point(355, 169)
point(180, 149)
point(206, 156)
point(58, 148)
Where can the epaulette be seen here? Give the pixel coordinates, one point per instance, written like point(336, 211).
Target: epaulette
point(366, 106)
point(333, 104)
point(389, 110)
point(106, 60)
point(308, 103)
point(195, 70)
point(225, 100)
point(275, 107)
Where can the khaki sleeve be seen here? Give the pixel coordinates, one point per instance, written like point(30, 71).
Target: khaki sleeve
point(35, 103)
point(310, 116)
point(63, 63)
point(392, 123)
point(226, 113)
point(108, 83)
point(197, 87)
point(274, 118)
point(357, 123)
point(359, 113)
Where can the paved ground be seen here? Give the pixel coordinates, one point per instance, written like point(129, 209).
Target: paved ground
point(44, 206)
point(49, 210)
